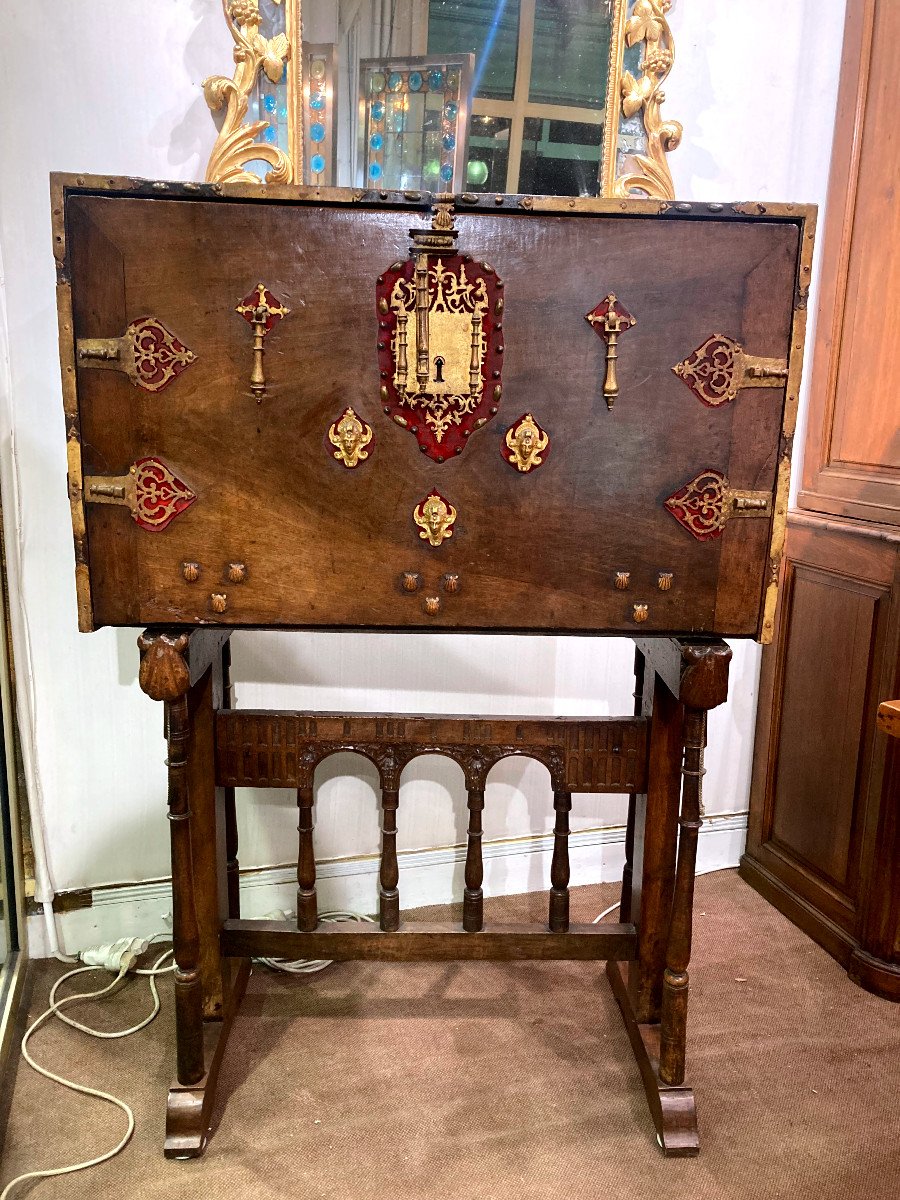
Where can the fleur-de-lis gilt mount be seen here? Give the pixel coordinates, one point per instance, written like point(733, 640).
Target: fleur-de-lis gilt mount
point(262, 311)
point(609, 319)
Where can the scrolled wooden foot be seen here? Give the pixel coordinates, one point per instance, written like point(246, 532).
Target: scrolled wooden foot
point(189, 1108)
point(673, 1109)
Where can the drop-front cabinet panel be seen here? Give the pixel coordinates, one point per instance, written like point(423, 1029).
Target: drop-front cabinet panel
point(501, 468)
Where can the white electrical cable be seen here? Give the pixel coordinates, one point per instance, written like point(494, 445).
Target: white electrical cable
point(613, 907)
point(309, 966)
point(82, 1089)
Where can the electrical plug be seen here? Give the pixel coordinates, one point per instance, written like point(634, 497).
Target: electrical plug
point(118, 956)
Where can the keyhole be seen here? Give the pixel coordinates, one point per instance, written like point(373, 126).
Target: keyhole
point(439, 370)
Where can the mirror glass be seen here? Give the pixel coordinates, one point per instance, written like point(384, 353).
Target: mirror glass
point(453, 95)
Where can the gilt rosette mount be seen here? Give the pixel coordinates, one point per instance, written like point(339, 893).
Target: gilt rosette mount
point(440, 339)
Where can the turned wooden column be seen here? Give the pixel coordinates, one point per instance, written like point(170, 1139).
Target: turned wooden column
point(164, 675)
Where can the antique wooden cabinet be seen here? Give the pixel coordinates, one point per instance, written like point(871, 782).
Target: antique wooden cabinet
point(349, 410)
point(823, 841)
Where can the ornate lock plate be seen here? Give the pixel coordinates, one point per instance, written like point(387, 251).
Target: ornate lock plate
point(440, 341)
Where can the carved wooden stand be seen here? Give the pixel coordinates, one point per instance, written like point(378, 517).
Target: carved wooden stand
point(656, 757)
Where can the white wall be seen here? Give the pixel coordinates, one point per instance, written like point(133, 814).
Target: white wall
point(112, 86)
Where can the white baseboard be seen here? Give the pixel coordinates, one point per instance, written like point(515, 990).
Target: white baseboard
point(426, 877)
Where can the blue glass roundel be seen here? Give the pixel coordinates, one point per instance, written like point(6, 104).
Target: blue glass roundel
point(317, 163)
point(395, 81)
point(415, 81)
point(378, 110)
point(282, 113)
point(317, 132)
point(447, 172)
point(269, 103)
point(448, 141)
point(451, 110)
point(375, 170)
point(436, 80)
point(376, 141)
point(270, 135)
point(317, 102)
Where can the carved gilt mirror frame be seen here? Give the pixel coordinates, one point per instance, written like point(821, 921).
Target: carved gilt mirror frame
point(269, 51)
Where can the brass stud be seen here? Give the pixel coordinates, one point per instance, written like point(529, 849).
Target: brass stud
point(218, 602)
point(382, 305)
point(432, 605)
point(236, 572)
point(384, 393)
point(410, 581)
point(640, 613)
point(622, 580)
point(498, 391)
point(190, 571)
point(451, 583)
point(664, 581)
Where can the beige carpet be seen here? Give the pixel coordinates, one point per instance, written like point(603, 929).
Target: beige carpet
point(496, 1081)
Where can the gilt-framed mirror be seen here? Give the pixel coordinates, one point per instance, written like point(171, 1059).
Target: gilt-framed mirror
point(556, 97)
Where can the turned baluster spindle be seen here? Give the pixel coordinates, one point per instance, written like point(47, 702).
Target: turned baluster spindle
point(389, 875)
point(307, 904)
point(473, 896)
point(673, 1022)
point(185, 932)
point(559, 866)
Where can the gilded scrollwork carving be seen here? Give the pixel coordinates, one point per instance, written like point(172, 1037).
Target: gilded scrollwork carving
point(237, 142)
point(649, 173)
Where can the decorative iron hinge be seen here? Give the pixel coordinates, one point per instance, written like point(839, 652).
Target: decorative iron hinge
point(705, 504)
point(148, 353)
point(717, 370)
point(152, 493)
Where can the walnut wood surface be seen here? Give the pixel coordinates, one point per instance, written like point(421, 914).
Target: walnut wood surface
point(326, 546)
point(282, 749)
point(823, 841)
point(412, 942)
point(851, 463)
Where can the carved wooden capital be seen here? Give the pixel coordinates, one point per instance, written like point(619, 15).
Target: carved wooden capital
point(164, 673)
point(704, 673)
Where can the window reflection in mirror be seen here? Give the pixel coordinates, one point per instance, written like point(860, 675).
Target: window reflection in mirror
point(528, 79)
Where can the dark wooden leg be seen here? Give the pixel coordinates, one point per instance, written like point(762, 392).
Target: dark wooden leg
point(654, 839)
point(673, 1029)
point(307, 905)
point(185, 933)
point(684, 679)
point(185, 671)
point(473, 897)
point(559, 866)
